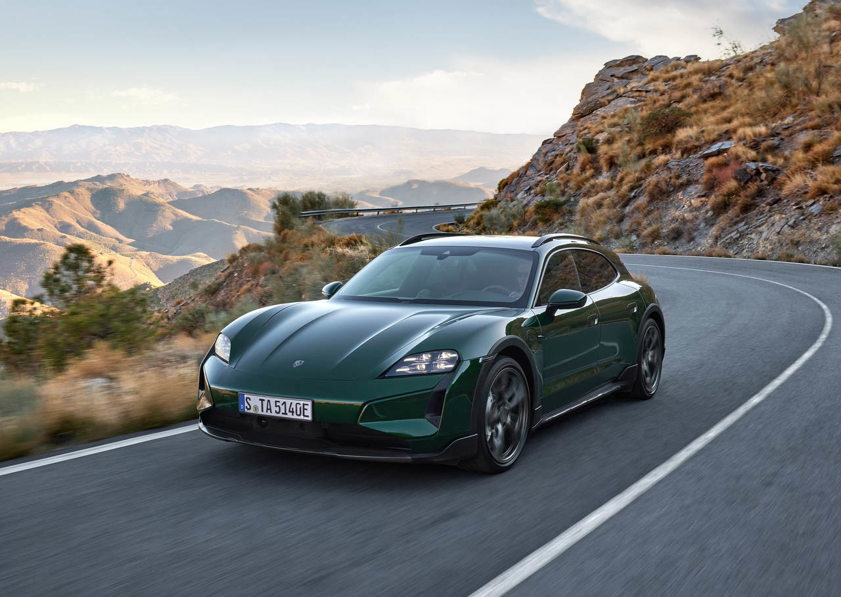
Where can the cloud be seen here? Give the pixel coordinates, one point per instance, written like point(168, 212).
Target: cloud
point(19, 86)
point(532, 97)
point(145, 95)
point(673, 27)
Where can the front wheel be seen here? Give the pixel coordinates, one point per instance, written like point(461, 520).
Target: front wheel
point(649, 361)
point(502, 418)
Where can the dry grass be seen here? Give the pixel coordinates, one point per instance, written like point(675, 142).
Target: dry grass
point(19, 424)
point(105, 393)
point(827, 182)
point(751, 133)
point(796, 184)
point(761, 100)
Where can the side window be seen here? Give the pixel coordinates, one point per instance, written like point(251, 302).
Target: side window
point(595, 271)
point(559, 273)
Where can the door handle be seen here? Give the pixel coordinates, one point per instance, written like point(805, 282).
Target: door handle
point(633, 307)
point(594, 320)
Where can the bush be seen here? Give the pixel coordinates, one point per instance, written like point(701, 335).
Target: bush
point(287, 207)
point(587, 145)
point(547, 210)
point(662, 122)
point(40, 338)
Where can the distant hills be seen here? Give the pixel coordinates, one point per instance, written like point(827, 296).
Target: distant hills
point(330, 157)
point(154, 231)
point(157, 230)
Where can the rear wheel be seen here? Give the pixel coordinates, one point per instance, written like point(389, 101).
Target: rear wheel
point(649, 361)
point(502, 419)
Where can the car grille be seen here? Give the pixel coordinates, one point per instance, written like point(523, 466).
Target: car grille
point(304, 435)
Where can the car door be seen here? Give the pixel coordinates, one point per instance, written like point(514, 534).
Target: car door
point(569, 339)
point(617, 306)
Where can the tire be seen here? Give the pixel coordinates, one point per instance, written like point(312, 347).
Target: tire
point(649, 361)
point(501, 417)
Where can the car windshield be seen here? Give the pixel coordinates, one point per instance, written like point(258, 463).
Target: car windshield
point(446, 275)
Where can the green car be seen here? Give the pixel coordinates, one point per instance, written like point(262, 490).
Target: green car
point(447, 348)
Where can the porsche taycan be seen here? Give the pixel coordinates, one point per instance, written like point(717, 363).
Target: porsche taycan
point(446, 348)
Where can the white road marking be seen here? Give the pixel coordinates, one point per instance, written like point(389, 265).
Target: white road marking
point(133, 441)
point(523, 569)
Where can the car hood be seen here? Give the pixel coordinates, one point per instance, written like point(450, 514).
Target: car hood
point(339, 339)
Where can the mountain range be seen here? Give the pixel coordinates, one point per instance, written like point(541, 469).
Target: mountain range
point(156, 230)
point(330, 157)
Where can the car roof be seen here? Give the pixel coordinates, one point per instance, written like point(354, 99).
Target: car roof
point(499, 241)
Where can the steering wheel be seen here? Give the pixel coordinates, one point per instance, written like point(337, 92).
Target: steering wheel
point(497, 288)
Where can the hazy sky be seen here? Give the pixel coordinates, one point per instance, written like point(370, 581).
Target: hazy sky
point(492, 65)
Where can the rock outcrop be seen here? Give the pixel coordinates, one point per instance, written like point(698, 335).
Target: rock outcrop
point(736, 156)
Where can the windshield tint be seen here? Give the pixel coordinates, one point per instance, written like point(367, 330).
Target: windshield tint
point(446, 275)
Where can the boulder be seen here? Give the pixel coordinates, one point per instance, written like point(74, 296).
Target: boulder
point(760, 171)
point(717, 149)
point(604, 88)
point(626, 61)
point(657, 63)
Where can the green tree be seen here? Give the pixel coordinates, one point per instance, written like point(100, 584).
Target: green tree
point(74, 276)
point(313, 200)
point(86, 309)
point(286, 208)
point(25, 330)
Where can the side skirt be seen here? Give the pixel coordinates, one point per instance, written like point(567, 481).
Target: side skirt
point(625, 381)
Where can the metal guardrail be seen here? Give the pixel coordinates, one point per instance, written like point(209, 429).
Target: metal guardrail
point(386, 210)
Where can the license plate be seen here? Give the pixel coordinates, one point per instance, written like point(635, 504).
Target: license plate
point(273, 406)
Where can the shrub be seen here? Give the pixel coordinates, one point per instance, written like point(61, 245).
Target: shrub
point(547, 210)
point(287, 207)
point(662, 122)
point(587, 145)
point(41, 338)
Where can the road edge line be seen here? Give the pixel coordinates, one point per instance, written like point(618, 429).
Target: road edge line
point(132, 441)
point(542, 556)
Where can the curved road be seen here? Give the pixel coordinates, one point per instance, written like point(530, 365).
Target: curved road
point(755, 510)
point(394, 227)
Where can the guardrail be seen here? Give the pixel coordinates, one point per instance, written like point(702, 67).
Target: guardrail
point(386, 210)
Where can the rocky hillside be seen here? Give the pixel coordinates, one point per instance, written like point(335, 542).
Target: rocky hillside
point(736, 156)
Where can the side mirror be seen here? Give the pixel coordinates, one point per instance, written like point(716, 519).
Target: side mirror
point(330, 289)
point(566, 299)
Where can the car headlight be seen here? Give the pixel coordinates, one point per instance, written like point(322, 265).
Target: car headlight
point(222, 348)
point(424, 363)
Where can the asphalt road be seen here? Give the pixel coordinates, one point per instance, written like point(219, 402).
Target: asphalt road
point(756, 511)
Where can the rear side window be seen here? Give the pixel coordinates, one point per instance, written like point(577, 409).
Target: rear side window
point(559, 273)
point(594, 270)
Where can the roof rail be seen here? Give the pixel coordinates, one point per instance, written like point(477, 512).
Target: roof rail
point(558, 236)
point(420, 237)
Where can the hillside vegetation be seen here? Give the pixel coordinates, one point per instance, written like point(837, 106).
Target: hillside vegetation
point(739, 156)
point(90, 360)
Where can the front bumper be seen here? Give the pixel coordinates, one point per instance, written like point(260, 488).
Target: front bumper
point(409, 419)
point(456, 451)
